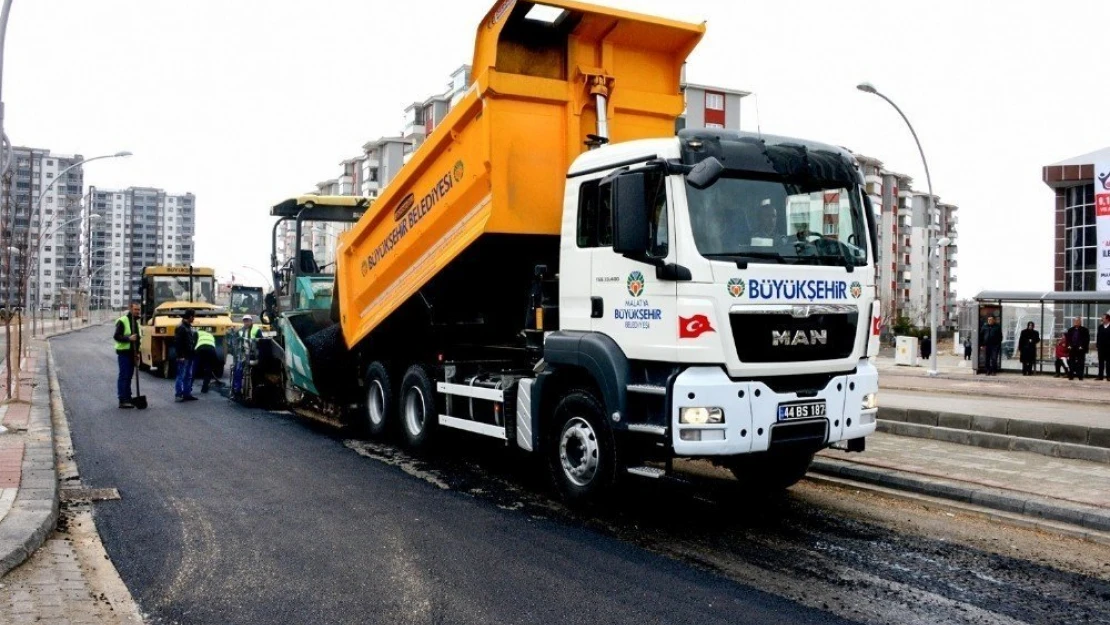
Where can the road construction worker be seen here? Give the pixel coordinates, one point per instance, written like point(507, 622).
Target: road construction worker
point(243, 351)
point(250, 330)
point(184, 346)
point(127, 344)
point(207, 362)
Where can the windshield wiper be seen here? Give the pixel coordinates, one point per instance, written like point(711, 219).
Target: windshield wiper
point(741, 258)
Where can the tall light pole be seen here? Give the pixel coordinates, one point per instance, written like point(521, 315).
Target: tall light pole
point(932, 246)
point(32, 263)
point(265, 280)
point(5, 145)
point(37, 209)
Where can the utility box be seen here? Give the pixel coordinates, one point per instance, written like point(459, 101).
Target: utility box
point(905, 351)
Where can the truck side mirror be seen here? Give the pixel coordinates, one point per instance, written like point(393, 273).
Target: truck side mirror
point(630, 218)
point(706, 173)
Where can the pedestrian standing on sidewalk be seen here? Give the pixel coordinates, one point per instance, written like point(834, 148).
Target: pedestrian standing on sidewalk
point(990, 337)
point(1079, 341)
point(184, 342)
point(926, 348)
point(967, 349)
point(127, 342)
point(1102, 343)
point(1027, 348)
point(1062, 354)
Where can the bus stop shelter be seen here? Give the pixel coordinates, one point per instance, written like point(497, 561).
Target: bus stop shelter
point(1052, 312)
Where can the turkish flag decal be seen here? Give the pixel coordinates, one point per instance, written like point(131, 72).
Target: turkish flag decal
point(693, 327)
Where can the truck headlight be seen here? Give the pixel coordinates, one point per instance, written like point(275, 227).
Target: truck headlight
point(870, 401)
point(701, 416)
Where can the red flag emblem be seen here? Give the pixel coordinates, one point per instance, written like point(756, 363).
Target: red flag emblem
point(876, 325)
point(693, 327)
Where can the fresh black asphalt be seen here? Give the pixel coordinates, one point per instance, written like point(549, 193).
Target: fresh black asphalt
point(236, 515)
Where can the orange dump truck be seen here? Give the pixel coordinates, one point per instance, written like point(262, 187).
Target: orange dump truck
point(557, 269)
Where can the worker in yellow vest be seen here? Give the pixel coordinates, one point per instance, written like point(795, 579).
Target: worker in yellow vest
point(127, 346)
point(207, 361)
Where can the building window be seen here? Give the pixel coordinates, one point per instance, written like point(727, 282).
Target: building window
point(714, 101)
point(1080, 239)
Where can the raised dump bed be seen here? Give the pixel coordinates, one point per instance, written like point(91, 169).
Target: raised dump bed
point(494, 170)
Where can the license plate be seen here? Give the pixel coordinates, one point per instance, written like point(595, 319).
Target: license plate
point(804, 410)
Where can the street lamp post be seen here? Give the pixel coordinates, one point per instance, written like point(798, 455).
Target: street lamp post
point(33, 262)
point(933, 246)
point(37, 209)
point(5, 145)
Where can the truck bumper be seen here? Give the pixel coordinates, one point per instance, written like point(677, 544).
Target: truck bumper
point(751, 423)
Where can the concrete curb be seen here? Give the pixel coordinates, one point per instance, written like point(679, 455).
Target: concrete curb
point(1058, 440)
point(35, 511)
point(1090, 517)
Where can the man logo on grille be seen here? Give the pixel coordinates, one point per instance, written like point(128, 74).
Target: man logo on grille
point(799, 337)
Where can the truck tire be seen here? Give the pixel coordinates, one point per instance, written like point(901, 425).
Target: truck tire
point(581, 450)
point(379, 408)
point(770, 472)
point(417, 407)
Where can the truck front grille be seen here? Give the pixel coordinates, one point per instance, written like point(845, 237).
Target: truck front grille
point(782, 337)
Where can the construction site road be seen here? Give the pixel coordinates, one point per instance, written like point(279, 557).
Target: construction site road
point(236, 515)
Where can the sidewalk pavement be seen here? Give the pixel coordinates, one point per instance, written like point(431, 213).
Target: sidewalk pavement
point(28, 477)
point(28, 473)
point(954, 377)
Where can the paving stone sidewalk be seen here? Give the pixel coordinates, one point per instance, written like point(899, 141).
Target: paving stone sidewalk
point(961, 380)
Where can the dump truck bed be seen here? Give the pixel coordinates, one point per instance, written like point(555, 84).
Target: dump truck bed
point(497, 164)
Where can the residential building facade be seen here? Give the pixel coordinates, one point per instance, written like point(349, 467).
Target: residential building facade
point(903, 225)
point(711, 107)
point(55, 225)
point(139, 226)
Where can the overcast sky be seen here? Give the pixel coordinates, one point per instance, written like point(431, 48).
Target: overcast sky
point(246, 102)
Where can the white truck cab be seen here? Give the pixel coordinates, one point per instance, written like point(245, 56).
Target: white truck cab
point(727, 281)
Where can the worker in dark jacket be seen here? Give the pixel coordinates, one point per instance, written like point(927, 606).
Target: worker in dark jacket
point(990, 340)
point(1079, 342)
point(1027, 348)
point(1102, 342)
point(184, 342)
point(127, 343)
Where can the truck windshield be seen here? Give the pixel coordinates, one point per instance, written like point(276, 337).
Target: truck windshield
point(769, 221)
point(246, 301)
point(178, 288)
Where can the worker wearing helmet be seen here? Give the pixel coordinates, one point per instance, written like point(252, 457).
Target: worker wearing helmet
point(250, 330)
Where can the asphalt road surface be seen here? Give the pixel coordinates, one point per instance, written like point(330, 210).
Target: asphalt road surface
point(235, 515)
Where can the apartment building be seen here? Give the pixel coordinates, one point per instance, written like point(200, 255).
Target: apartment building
point(711, 107)
point(35, 173)
point(138, 226)
point(903, 220)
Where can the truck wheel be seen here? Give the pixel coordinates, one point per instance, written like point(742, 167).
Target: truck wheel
point(581, 450)
point(771, 472)
point(379, 400)
point(418, 406)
